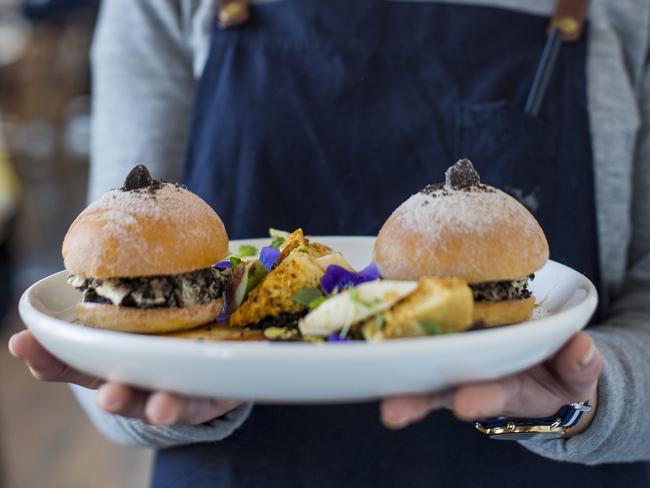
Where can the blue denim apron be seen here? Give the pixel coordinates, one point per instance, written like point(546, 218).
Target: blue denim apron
point(327, 115)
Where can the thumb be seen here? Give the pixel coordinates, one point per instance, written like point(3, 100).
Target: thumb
point(45, 367)
point(578, 366)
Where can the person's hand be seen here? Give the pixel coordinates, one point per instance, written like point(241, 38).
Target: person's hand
point(159, 407)
point(569, 376)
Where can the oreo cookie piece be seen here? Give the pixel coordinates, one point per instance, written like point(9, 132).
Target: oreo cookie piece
point(462, 175)
point(138, 177)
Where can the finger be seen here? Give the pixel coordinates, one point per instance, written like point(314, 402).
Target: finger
point(576, 370)
point(44, 366)
point(487, 399)
point(400, 411)
point(165, 408)
point(122, 400)
point(578, 366)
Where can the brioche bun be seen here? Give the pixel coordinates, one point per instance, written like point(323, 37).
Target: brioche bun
point(147, 320)
point(142, 233)
point(147, 228)
point(478, 234)
point(503, 312)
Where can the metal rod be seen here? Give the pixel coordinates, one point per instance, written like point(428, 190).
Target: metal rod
point(544, 72)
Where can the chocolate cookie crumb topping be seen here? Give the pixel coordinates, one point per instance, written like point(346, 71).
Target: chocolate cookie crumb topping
point(462, 175)
point(138, 177)
point(494, 291)
point(432, 189)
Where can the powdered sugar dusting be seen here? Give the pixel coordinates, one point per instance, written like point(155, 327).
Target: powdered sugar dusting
point(447, 226)
point(474, 210)
point(129, 219)
point(169, 199)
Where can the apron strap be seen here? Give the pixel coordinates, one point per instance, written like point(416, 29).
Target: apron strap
point(232, 13)
point(568, 16)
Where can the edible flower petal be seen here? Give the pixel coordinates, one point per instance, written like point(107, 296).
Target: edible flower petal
point(369, 273)
point(223, 265)
point(268, 257)
point(222, 318)
point(335, 337)
point(336, 278)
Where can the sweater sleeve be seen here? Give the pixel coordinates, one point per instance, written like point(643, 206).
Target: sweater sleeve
point(143, 86)
point(620, 431)
point(135, 433)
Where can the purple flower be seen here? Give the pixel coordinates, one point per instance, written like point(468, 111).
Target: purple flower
point(338, 278)
point(223, 265)
point(223, 316)
point(369, 273)
point(335, 277)
point(335, 337)
point(268, 257)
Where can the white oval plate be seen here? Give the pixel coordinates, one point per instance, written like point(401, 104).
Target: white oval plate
point(303, 372)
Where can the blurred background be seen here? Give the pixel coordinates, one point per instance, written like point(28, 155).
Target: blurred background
point(45, 439)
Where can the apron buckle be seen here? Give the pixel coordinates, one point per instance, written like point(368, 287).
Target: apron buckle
point(569, 18)
point(232, 13)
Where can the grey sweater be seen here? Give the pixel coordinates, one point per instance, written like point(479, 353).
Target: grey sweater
point(147, 56)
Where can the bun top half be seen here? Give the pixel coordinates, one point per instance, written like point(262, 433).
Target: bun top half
point(151, 230)
point(462, 228)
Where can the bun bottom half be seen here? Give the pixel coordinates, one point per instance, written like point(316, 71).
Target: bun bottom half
point(503, 312)
point(147, 320)
point(219, 332)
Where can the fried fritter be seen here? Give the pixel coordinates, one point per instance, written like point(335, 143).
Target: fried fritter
point(437, 306)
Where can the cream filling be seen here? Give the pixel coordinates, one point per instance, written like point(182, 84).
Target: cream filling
point(112, 291)
point(150, 295)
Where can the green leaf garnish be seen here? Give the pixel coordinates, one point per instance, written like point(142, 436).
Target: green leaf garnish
point(315, 303)
point(234, 262)
point(309, 297)
point(278, 242)
point(279, 237)
point(431, 327)
point(256, 274)
point(246, 250)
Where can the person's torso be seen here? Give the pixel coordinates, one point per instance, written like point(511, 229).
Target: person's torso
point(328, 115)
